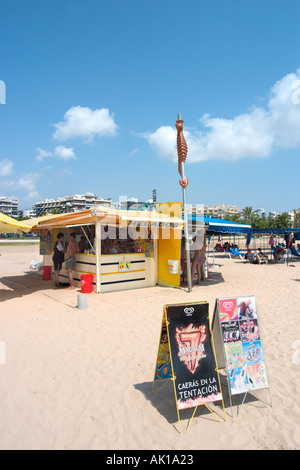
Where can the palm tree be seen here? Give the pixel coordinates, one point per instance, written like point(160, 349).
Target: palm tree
point(248, 213)
point(234, 217)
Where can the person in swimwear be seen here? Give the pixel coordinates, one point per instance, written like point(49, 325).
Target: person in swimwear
point(70, 259)
point(198, 263)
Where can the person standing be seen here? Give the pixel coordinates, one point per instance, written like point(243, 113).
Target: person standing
point(200, 266)
point(291, 240)
point(183, 261)
point(58, 257)
point(198, 260)
point(70, 253)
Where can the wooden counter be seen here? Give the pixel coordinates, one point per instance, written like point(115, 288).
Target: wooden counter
point(127, 271)
point(117, 272)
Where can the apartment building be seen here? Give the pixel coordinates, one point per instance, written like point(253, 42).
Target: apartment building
point(77, 202)
point(9, 206)
point(27, 213)
point(220, 211)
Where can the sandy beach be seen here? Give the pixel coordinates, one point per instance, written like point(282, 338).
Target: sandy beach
point(81, 379)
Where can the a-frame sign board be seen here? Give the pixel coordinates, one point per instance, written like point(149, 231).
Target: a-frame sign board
point(238, 345)
point(186, 355)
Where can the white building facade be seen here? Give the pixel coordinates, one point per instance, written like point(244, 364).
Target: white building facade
point(9, 206)
point(77, 202)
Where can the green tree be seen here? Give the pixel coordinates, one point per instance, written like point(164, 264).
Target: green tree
point(270, 221)
point(258, 222)
point(235, 218)
point(282, 220)
point(55, 211)
point(248, 214)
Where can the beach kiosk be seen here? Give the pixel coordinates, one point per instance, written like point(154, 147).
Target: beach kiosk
point(120, 249)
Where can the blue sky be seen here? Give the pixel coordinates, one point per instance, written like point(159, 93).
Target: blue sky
point(93, 89)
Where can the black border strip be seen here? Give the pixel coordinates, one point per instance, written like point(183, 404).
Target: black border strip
point(85, 262)
point(117, 262)
point(125, 280)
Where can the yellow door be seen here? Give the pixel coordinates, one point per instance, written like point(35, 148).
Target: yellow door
point(169, 250)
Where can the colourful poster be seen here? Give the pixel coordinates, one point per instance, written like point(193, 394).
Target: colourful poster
point(230, 331)
point(238, 380)
point(253, 353)
point(149, 249)
point(194, 366)
point(45, 242)
point(246, 308)
point(257, 376)
point(163, 365)
point(228, 310)
point(234, 354)
point(241, 352)
point(124, 266)
point(186, 343)
point(163, 371)
point(249, 330)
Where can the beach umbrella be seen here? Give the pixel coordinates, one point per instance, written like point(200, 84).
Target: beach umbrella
point(182, 154)
point(10, 225)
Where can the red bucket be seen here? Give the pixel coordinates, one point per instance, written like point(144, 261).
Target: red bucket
point(46, 273)
point(86, 283)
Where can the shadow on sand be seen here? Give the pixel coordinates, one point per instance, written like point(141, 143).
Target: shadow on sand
point(213, 278)
point(164, 402)
point(25, 284)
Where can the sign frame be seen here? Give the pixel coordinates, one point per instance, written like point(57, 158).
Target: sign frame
point(170, 352)
point(237, 332)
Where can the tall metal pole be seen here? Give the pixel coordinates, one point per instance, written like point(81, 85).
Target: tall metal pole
point(182, 151)
point(186, 233)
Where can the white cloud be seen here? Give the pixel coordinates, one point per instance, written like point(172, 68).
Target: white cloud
point(32, 196)
point(253, 134)
point(85, 123)
point(163, 140)
point(247, 135)
point(285, 111)
point(61, 152)
point(25, 184)
point(6, 167)
point(42, 154)
point(64, 153)
point(134, 151)
point(27, 181)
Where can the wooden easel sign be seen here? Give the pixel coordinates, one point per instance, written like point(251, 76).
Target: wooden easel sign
point(186, 356)
point(238, 344)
